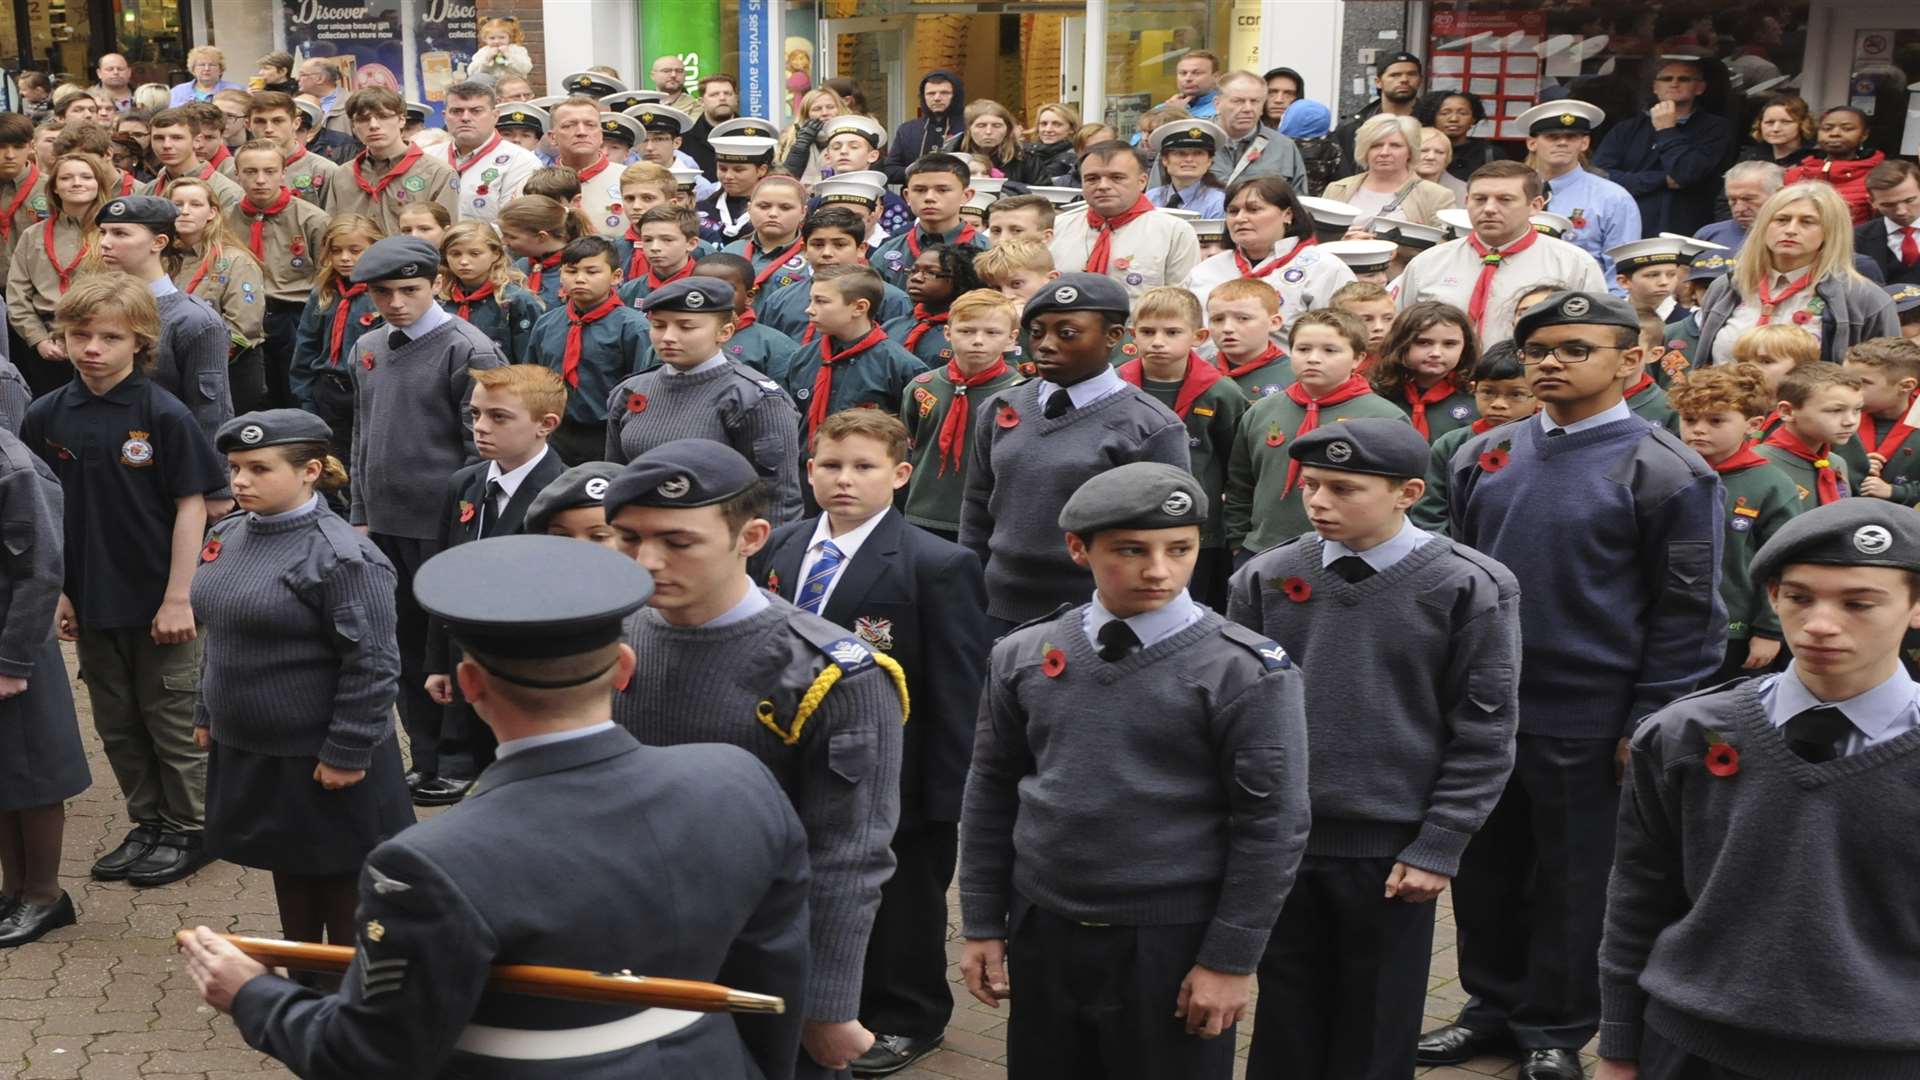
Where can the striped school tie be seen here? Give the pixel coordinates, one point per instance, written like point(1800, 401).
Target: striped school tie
point(813, 591)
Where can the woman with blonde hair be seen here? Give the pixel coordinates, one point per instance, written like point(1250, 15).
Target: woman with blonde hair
point(1436, 153)
point(989, 129)
point(53, 252)
point(208, 260)
point(152, 97)
point(1797, 268)
point(479, 284)
point(209, 67)
point(1387, 147)
point(799, 145)
point(1049, 160)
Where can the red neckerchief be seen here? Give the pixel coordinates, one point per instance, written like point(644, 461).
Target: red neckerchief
point(220, 154)
point(594, 169)
point(779, 260)
point(298, 153)
point(913, 237)
point(1641, 387)
point(1246, 268)
point(1741, 460)
point(1870, 428)
point(637, 262)
point(1490, 261)
point(1199, 376)
point(953, 429)
point(1418, 400)
point(823, 379)
point(167, 178)
point(340, 310)
point(577, 322)
point(453, 155)
point(399, 169)
point(126, 184)
point(1768, 301)
point(466, 300)
point(1346, 391)
point(924, 321)
point(256, 230)
point(1766, 426)
point(1103, 244)
point(65, 273)
point(745, 319)
point(21, 194)
point(1482, 426)
point(536, 267)
point(200, 274)
point(1272, 353)
point(686, 270)
point(1825, 479)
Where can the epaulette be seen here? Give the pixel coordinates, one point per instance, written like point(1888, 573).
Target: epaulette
point(765, 386)
point(846, 656)
point(342, 537)
point(1048, 617)
point(847, 652)
point(1272, 656)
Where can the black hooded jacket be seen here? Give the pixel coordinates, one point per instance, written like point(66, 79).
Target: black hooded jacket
point(925, 133)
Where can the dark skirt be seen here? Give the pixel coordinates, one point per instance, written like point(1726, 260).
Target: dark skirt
point(271, 814)
point(41, 759)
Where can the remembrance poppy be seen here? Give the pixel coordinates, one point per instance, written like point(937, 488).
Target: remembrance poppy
point(1493, 460)
point(636, 403)
point(1297, 589)
point(210, 552)
point(1053, 662)
point(1723, 760)
point(1010, 417)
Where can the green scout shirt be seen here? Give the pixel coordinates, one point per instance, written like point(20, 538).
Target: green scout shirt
point(934, 496)
point(1211, 421)
point(1430, 513)
point(1450, 413)
point(1902, 469)
point(1760, 499)
point(1258, 516)
point(1803, 474)
point(1651, 404)
point(1266, 380)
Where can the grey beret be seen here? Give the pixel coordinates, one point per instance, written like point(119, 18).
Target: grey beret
point(149, 211)
point(683, 473)
point(1380, 446)
point(1851, 532)
point(697, 294)
point(582, 485)
point(271, 427)
point(1079, 292)
point(397, 257)
point(1139, 495)
point(1576, 308)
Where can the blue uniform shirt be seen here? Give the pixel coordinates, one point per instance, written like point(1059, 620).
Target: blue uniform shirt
point(894, 258)
point(1603, 213)
point(1200, 197)
point(612, 348)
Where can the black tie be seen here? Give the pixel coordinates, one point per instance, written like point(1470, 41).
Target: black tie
point(491, 513)
point(1554, 433)
point(1059, 405)
point(1815, 734)
point(396, 339)
point(1353, 568)
point(1175, 202)
point(1117, 639)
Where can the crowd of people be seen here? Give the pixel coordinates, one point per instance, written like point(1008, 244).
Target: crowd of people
point(1211, 545)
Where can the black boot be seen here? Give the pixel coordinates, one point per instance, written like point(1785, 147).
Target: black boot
point(176, 856)
point(31, 922)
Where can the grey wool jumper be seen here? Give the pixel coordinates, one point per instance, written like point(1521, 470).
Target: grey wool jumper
point(732, 404)
point(411, 431)
point(190, 361)
point(1024, 467)
point(1168, 788)
point(1764, 920)
point(301, 658)
point(33, 563)
point(704, 685)
point(1413, 693)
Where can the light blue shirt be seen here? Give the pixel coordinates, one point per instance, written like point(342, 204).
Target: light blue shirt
point(1149, 626)
point(1381, 556)
point(750, 605)
point(1882, 714)
point(1616, 414)
point(515, 746)
point(1608, 217)
point(162, 286)
point(1200, 197)
point(711, 362)
point(1727, 233)
point(1086, 391)
point(426, 323)
point(286, 514)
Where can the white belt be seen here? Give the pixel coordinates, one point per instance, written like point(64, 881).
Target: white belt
point(520, 1044)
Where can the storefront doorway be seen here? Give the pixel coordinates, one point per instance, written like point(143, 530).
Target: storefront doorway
point(63, 37)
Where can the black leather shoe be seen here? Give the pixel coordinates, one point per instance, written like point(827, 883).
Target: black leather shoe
point(177, 855)
point(1457, 1043)
point(31, 922)
point(891, 1053)
point(7, 904)
point(441, 791)
point(415, 778)
point(1551, 1065)
point(113, 865)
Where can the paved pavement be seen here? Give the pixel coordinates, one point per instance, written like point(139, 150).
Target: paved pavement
point(109, 999)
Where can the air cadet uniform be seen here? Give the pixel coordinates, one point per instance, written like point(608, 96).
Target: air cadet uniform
point(308, 174)
point(225, 189)
point(580, 486)
point(774, 271)
point(593, 351)
point(1105, 923)
point(938, 413)
point(505, 315)
point(1437, 642)
point(284, 236)
point(489, 177)
point(1602, 214)
point(718, 399)
point(565, 827)
point(809, 699)
point(382, 189)
point(894, 258)
point(1754, 783)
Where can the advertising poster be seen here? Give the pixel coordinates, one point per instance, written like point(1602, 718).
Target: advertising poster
point(360, 37)
point(758, 96)
point(688, 31)
point(446, 36)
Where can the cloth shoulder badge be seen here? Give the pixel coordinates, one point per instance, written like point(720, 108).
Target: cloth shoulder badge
point(137, 451)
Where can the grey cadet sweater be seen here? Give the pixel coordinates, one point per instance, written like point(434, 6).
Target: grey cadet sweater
point(1168, 788)
point(14, 396)
point(699, 685)
point(1413, 693)
point(411, 431)
point(1765, 920)
point(190, 361)
point(301, 658)
point(31, 518)
point(732, 404)
point(1023, 469)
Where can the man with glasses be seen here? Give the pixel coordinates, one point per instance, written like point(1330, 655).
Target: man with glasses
point(1671, 156)
point(320, 80)
point(1613, 528)
point(670, 78)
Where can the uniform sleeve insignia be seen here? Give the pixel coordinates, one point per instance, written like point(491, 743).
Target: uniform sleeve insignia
point(850, 655)
point(875, 632)
point(1272, 656)
point(925, 400)
point(385, 885)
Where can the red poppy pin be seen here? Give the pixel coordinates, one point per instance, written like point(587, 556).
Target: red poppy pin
point(466, 511)
point(636, 403)
point(1722, 759)
point(1495, 459)
point(211, 551)
point(773, 580)
point(367, 319)
point(1802, 317)
point(297, 247)
point(1275, 436)
point(1296, 589)
point(366, 359)
point(1578, 219)
point(1053, 661)
point(1009, 417)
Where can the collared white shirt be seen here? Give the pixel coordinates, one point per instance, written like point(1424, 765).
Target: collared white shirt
point(1897, 234)
point(515, 746)
point(510, 481)
point(1309, 280)
point(1383, 555)
point(1086, 391)
point(749, 605)
point(1879, 715)
point(848, 542)
point(478, 195)
point(1156, 248)
point(1149, 626)
point(1665, 310)
point(164, 286)
point(1747, 315)
point(427, 323)
point(1620, 411)
point(711, 362)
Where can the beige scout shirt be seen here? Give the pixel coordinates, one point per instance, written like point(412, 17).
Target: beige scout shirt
point(289, 243)
point(1156, 248)
point(428, 179)
point(1447, 272)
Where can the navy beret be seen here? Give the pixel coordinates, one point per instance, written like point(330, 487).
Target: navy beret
point(397, 257)
point(272, 427)
point(1079, 292)
point(1138, 495)
point(1575, 308)
point(545, 597)
point(683, 473)
point(700, 295)
point(149, 211)
point(582, 485)
point(1851, 532)
point(1905, 296)
point(1380, 446)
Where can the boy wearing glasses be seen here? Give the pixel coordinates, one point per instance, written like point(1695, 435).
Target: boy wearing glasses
point(1613, 528)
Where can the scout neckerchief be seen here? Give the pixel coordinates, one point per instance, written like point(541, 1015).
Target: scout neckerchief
point(200, 274)
point(65, 273)
point(338, 334)
point(298, 153)
point(1826, 481)
point(953, 430)
point(924, 321)
point(453, 156)
point(1246, 268)
point(1491, 259)
point(257, 227)
point(594, 169)
point(1103, 243)
point(577, 323)
point(1741, 460)
point(1869, 431)
point(776, 263)
point(466, 300)
point(220, 154)
point(729, 225)
point(686, 270)
point(1199, 376)
point(1418, 400)
point(20, 196)
point(636, 262)
point(965, 237)
point(1273, 352)
point(399, 169)
point(745, 319)
point(126, 183)
point(538, 265)
point(823, 379)
point(1768, 301)
point(1354, 387)
point(167, 178)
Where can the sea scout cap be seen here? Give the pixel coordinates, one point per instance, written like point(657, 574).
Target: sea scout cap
point(990, 185)
point(1331, 217)
point(1565, 115)
point(312, 111)
point(1654, 251)
point(975, 208)
point(681, 474)
point(592, 83)
point(1709, 266)
point(547, 102)
point(1456, 221)
point(1362, 256)
point(661, 120)
point(582, 485)
point(1187, 135)
point(1576, 308)
point(685, 178)
point(547, 597)
point(397, 257)
point(149, 211)
point(1378, 446)
point(1693, 245)
point(1181, 212)
point(1078, 292)
point(1905, 296)
point(1851, 532)
point(521, 115)
point(855, 189)
point(864, 126)
point(618, 126)
point(1406, 233)
point(742, 150)
point(271, 427)
point(1139, 495)
point(701, 295)
point(745, 125)
point(1058, 196)
point(1210, 230)
point(418, 112)
point(1548, 223)
point(630, 99)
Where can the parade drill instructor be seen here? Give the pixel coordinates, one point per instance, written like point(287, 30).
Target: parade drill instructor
point(574, 821)
point(1121, 234)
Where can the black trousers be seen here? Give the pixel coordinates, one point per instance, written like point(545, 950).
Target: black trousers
point(467, 744)
point(1096, 1002)
point(1661, 1060)
point(247, 381)
point(904, 990)
point(1531, 895)
point(419, 714)
point(282, 319)
point(1343, 984)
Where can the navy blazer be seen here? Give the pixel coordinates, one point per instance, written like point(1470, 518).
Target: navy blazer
point(469, 486)
point(923, 602)
point(1870, 242)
